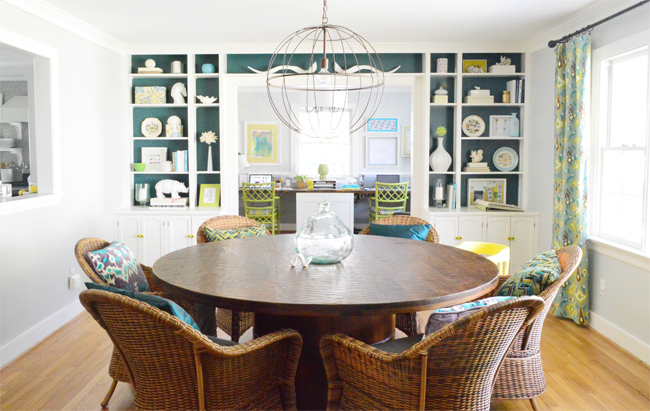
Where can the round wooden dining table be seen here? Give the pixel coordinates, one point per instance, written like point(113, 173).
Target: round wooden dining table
point(359, 296)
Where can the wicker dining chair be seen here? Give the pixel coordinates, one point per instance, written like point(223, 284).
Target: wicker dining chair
point(522, 375)
point(451, 369)
point(233, 323)
point(116, 370)
point(174, 367)
point(409, 323)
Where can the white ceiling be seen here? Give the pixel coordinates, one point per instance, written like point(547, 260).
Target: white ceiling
point(269, 21)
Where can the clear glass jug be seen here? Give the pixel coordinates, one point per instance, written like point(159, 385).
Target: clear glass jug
point(324, 237)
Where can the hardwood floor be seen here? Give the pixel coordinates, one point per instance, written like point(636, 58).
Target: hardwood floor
point(69, 371)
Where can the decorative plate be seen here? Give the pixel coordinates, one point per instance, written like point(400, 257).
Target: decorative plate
point(473, 126)
point(505, 159)
point(151, 127)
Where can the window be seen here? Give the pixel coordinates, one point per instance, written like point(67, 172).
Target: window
point(620, 157)
point(335, 152)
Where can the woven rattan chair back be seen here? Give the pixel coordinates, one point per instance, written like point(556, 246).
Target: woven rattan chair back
point(233, 323)
point(452, 369)
point(388, 199)
point(522, 375)
point(224, 222)
point(261, 204)
point(432, 237)
point(174, 367)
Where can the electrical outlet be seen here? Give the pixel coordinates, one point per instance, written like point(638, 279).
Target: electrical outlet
point(74, 281)
point(602, 287)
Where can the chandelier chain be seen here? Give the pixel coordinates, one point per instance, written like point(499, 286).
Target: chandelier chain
point(325, 19)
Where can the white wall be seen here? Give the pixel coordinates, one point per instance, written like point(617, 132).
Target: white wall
point(625, 305)
point(36, 247)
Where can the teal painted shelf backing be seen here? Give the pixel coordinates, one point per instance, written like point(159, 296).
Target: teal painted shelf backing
point(448, 83)
point(161, 113)
point(206, 179)
point(201, 59)
point(494, 58)
point(207, 119)
point(164, 61)
point(442, 116)
point(489, 146)
point(152, 179)
point(446, 178)
point(496, 85)
point(208, 87)
point(409, 62)
point(512, 186)
point(451, 61)
point(172, 145)
point(160, 82)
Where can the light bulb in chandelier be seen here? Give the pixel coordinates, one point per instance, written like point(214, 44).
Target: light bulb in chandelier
point(324, 79)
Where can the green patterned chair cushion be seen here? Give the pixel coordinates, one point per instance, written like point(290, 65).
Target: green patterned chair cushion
point(382, 211)
point(161, 303)
point(221, 235)
point(261, 212)
point(533, 277)
point(117, 265)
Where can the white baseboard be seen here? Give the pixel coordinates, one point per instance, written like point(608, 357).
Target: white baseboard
point(628, 342)
point(38, 332)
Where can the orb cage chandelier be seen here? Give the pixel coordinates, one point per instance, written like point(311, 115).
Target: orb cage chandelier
point(338, 93)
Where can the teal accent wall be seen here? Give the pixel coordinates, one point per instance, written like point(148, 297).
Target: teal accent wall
point(164, 61)
point(207, 87)
point(494, 58)
point(451, 61)
point(207, 119)
point(201, 59)
point(158, 82)
point(496, 85)
point(172, 145)
point(161, 113)
point(442, 116)
point(152, 179)
point(489, 146)
point(409, 62)
point(447, 82)
point(446, 179)
point(206, 179)
point(512, 186)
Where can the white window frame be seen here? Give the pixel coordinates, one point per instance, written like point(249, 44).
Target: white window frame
point(602, 243)
point(45, 127)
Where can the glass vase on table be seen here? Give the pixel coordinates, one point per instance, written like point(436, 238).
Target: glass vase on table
point(324, 237)
point(142, 193)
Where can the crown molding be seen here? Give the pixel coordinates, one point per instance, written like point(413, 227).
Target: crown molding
point(58, 17)
point(589, 15)
point(262, 48)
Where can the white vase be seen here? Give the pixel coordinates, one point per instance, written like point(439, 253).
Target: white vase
point(209, 158)
point(440, 160)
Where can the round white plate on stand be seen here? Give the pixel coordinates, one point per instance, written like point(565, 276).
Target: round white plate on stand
point(505, 159)
point(473, 126)
point(151, 127)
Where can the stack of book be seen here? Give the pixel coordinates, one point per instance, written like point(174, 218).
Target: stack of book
point(180, 160)
point(479, 99)
point(169, 202)
point(147, 70)
point(490, 206)
point(324, 184)
point(516, 89)
point(477, 168)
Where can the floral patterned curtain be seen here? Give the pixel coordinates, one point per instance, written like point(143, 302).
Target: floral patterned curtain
point(572, 96)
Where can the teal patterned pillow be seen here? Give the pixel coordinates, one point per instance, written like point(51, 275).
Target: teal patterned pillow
point(117, 265)
point(221, 235)
point(161, 303)
point(533, 277)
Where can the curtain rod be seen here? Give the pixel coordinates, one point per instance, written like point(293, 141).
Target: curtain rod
point(568, 37)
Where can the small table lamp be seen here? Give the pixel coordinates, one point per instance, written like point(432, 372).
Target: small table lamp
point(243, 163)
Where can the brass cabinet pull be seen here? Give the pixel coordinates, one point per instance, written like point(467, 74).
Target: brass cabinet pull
point(511, 238)
point(140, 236)
point(190, 236)
point(458, 238)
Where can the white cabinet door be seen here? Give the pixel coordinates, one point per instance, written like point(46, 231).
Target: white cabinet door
point(342, 204)
point(498, 230)
point(447, 228)
point(179, 233)
point(153, 239)
point(128, 231)
point(196, 223)
point(470, 228)
point(523, 242)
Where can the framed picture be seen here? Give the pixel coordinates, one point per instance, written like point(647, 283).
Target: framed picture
point(488, 189)
point(500, 126)
point(210, 194)
point(381, 151)
point(475, 66)
point(154, 158)
point(262, 142)
point(382, 125)
point(407, 141)
point(259, 178)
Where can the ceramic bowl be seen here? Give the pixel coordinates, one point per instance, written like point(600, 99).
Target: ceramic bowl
point(139, 166)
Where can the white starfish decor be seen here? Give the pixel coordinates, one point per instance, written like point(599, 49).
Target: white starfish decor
point(208, 137)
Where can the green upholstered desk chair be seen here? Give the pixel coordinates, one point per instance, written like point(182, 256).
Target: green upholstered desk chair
point(233, 323)
point(522, 375)
point(451, 369)
point(175, 367)
point(117, 370)
point(261, 205)
point(409, 323)
point(389, 198)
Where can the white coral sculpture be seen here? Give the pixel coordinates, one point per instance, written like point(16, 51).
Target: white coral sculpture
point(505, 61)
point(208, 137)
